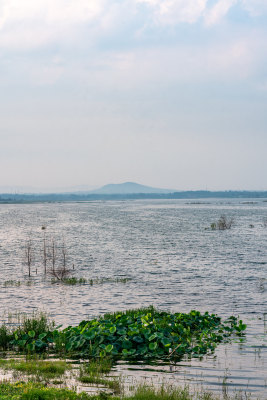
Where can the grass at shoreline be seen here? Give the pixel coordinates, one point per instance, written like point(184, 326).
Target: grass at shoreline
point(37, 391)
point(44, 369)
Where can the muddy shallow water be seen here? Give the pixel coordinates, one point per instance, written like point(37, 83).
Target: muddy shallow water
point(174, 263)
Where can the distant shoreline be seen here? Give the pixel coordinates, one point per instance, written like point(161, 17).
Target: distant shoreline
point(9, 198)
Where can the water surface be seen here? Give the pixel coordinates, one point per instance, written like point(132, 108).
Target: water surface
point(174, 263)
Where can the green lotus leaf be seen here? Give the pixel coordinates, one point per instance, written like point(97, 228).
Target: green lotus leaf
point(152, 337)
point(121, 331)
point(31, 346)
point(153, 345)
point(109, 348)
point(89, 335)
point(127, 344)
point(166, 342)
point(42, 336)
point(138, 339)
point(112, 329)
point(39, 343)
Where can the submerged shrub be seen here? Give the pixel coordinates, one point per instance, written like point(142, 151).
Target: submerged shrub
point(222, 224)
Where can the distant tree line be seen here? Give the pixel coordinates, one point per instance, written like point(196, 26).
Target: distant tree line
point(66, 197)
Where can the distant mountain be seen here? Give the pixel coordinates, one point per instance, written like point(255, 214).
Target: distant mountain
point(128, 188)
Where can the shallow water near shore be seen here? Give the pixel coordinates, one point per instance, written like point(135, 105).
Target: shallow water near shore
point(172, 261)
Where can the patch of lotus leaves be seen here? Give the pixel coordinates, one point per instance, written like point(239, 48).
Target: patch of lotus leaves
point(150, 334)
point(139, 334)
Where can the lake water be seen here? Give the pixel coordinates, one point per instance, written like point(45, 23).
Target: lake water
point(173, 262)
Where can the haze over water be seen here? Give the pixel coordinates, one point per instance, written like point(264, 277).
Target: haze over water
point(174, 263)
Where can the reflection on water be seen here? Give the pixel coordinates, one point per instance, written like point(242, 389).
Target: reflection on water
point(173, 263)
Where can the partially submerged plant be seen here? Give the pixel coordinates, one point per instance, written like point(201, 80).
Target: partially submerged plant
point(44, 248)
point(96, 281)
point(61, 272)
point(29, 255)
point(93, 372)
point(222, 223)
point(12, 283)
point(46, 369)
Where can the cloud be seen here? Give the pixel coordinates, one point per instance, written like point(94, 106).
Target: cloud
point(65, 11)
point(172, 12)
point(34, 23)
point(218, 11)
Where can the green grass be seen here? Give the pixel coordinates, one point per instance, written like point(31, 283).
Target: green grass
point(12, 283)
point(93, 373)
point(96, 367)
point(74, 281)
point(111, 384)
point(35, 391)
point(38, 322)
point(97, 281)
point(163, 393)
point(180, 393)
point(46, 369)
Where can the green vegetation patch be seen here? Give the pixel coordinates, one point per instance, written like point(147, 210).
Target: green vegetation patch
point(35, 391)
point(143, 334)
point(114, 385)
point(93, 373)
point(72, 281)
point(47, 369)
point(148, 334)
point(169, 393)
point(5, 337)
point(98, 366)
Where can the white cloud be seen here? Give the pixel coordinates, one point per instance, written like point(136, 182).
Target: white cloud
point(218, 11)
point(66, 11)
point(31, 23)
point(171, 12)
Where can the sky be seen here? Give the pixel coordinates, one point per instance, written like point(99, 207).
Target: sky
point(166, 93)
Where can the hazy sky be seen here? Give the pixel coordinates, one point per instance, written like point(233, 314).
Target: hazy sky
point(168, 93)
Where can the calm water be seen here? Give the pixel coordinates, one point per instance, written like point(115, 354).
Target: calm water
point(173, 262)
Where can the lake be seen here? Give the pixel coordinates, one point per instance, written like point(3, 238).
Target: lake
point(173, 260)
